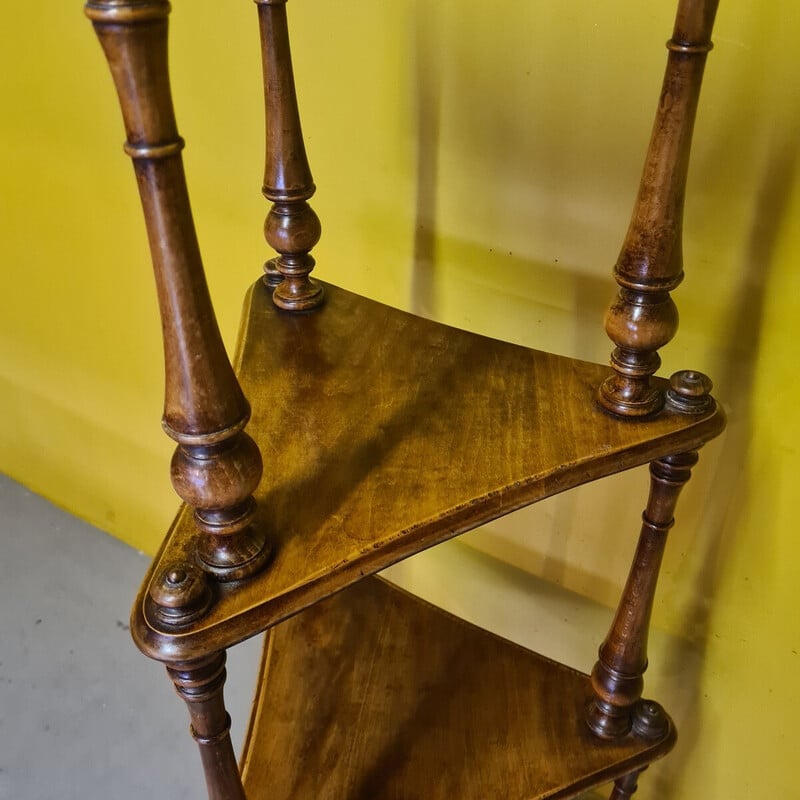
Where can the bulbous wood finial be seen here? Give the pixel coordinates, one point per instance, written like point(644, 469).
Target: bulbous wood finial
point(649, 721)
point(690, 392)
point(181, 594)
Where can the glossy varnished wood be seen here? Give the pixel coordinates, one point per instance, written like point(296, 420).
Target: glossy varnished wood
point(200, 684)
point(387, 433)
point(617, 677)
point(292, 227)
point(216, 465)
point(384, 434)
point(376, 694)
point(650, 265)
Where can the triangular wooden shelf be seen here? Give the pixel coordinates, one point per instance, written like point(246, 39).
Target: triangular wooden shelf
point(383, 434)
point(374, 694)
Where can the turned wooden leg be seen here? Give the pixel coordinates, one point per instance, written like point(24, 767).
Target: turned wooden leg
point(617, 676)
point(216, 466)
point(292, 227)
point(644, 318)
point(200, 684)
point(625, 786)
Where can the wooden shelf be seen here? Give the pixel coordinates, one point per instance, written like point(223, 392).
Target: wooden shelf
point(374, 693)
point(383, 434)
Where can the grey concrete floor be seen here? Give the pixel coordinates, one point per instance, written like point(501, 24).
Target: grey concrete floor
point(83, 714)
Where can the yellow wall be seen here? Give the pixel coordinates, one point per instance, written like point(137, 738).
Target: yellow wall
point(476, 162)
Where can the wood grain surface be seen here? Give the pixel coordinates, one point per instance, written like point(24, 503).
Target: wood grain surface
point(376, 694)
point(383, 434)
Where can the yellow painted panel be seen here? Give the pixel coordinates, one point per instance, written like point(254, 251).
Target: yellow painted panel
point(476, 162)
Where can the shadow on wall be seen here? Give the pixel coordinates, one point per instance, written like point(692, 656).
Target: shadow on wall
point(427, 83)
point(736, 378)
point(515, 238)
point(481, 246)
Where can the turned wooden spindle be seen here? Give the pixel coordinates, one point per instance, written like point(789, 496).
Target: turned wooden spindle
point(216, 466)
point(200, 683)
point(644, 318)
point(292, 227)
point(626, 786)
point(617, 677)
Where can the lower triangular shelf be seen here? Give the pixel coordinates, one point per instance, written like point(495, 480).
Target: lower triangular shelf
point(374, 694)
